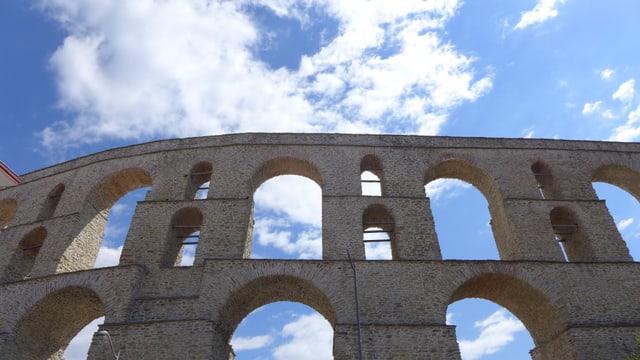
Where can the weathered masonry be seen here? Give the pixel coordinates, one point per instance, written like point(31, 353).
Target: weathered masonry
point(586, 306)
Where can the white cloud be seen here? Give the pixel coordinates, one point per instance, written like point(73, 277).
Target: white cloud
point(296, 197)
point(277, 233)
point(623, 224)
point(625, 92)
point(250, 343)
point(606, 74)
point(630, 131)
point(590, 108)
point(311, 338)
point(79, 345)
point(496, 331)
point(108, 257)
point(144, 69)
point(528, 133)
point(445, 188)
point(543, 11)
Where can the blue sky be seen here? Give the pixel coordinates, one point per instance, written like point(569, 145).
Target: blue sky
point(79, 76)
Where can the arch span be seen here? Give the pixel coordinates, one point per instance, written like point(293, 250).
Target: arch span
point(286, 165)
point(620, 176)
point(539, 315)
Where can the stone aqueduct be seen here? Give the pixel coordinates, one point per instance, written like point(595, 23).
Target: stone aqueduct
point(586, 307)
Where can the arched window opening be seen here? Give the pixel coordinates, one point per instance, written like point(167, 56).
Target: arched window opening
point(568, 233)
point(25, 256)
point(78, 347)
point(199, 180)
point(51, 202)
point(544, 178)
point(183, 238)
point(624, 209)
point(283, 330)
point(377, 228)
point(115, 232)
point(371, 176)
point(486, 330)
point(462, 220)
point(7, 212)
point(287, 219)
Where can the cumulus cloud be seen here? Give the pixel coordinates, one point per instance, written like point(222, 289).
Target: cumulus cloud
point(250, 343)
point(591, 107)
point(623, 224)
point(445, 188)
point(278, 233)
point(625, 92)
point(630, 130)
point(606, 74)
point(310, 337)
point(496, 331)
point(138, 70)
point(543, 11)
point(297, 198)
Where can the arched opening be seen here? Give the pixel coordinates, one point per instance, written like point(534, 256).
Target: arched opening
point(371, 175)
point(486, 330)
point(619, 187)
point(539, 316)
point(183, 237)
point(25, 255)
point(79, 346)
point(273, 289)
point(51, 202)
point(118, 222)
point(283, 330)
point(95, 214)
point(544, 178)
point(199, 180)
point(287, 214)
point(466, 207)
point(378, 233)
point(568, 231)
point(7, 212)
point(46, 330)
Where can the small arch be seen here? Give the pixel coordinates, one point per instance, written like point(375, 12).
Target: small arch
point(25, 255)
point(199, 180)
point(8, 209)
point(183, 237)
point(47, 328)
point(286, 165)
point(378, 233)
point(371, 175)
point(544, 177)
point(538, 314)
point(51, 202)
point(269, 289)
point(569, 232)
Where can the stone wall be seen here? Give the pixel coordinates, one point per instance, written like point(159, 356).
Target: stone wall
point(52, 225)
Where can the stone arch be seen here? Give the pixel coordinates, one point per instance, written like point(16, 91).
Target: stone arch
point(371, 174)
point(268, 289)
point(185, 223)
point(569, 230)
point(8, 209)
point(25, 255)
point(470, 173)
point(199, 176)
point(51, 202)
point(544, 177)
point(82, 252)
point(378, 218)
point(539, 315)
point(286, 165)
point(49, 325)
point(620, 176)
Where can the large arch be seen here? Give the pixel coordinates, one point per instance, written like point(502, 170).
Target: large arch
point(269, 289)
point(286, 165)
point(539, 315)
point(82, 252)
point(47, 328)
point(620, 176)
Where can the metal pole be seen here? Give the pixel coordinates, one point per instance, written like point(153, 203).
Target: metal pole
point(355, 287)
point(113, 351)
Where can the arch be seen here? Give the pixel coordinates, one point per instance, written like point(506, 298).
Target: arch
point(51, 202)
point(269, 289)
point(184, 234)
point(371, 175)
point(83, 250)
point(25, 255)
point(8, 209)
point(378, 227)
point(570, 233)
point(620, 176)
point(539, 315)
point(47, 328)
point(286, 165)
point(199, 178)
point(544, 177)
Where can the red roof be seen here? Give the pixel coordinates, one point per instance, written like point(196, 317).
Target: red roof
point(9, 173)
